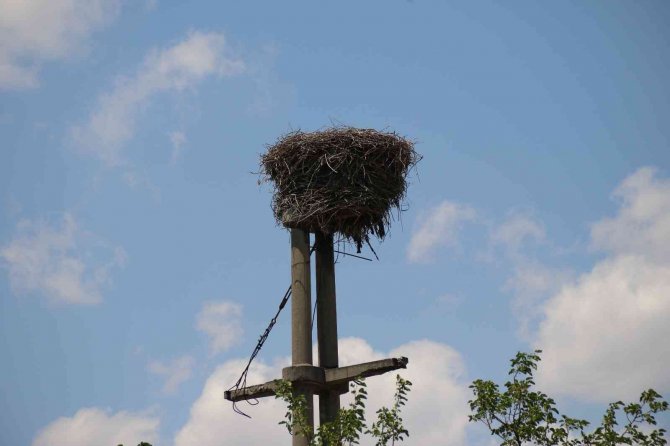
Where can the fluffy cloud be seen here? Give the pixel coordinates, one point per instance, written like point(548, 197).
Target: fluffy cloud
point(90, 426)
point(642, 226)
point(515, 230)
point(438, 227)
point(59, 261)
point(436, 412)
point(604, 334)
point(182, 66)
point(33, 31)
point(212, 420)
point(176, 372)
point(221, 321)
point(532, 284)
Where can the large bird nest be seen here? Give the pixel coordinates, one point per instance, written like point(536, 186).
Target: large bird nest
point(339, 180)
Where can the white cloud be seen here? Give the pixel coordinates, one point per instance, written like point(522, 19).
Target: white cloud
point(516, 230)
point(34, 31)
point(212, 418)
point(531, 281)
point(642, 226)
point(532, 284)
point(178, 140)
point(437, 409)
point(176, 372)
point(221, 321)
point(182, 66)
point(94, 426)
point(59, 261)
point(438, 227)
point(435, 414)
point(604, 334)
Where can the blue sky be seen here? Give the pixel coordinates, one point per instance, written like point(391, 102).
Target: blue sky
point(140, 260)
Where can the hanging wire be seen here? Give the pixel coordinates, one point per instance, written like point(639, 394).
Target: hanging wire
point(242, 380)
point(353, 255)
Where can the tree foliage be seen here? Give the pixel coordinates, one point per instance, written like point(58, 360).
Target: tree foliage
point(520, 415)
point(350, 423)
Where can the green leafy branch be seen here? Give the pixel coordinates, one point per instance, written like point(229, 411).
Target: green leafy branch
point(520, 415)
point(349, 424)
point(389, 425)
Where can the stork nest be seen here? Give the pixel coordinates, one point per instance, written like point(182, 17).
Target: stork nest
point(339, 180)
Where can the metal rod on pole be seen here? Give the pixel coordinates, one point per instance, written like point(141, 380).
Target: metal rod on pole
point(301, 315)
point(329, 402)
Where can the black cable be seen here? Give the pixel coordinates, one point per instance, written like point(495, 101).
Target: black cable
point(242, 380)
point(353, 255)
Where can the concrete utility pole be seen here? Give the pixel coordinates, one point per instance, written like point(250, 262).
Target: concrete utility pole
point(301, 317)
point(329, 400)
point(327, 380)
